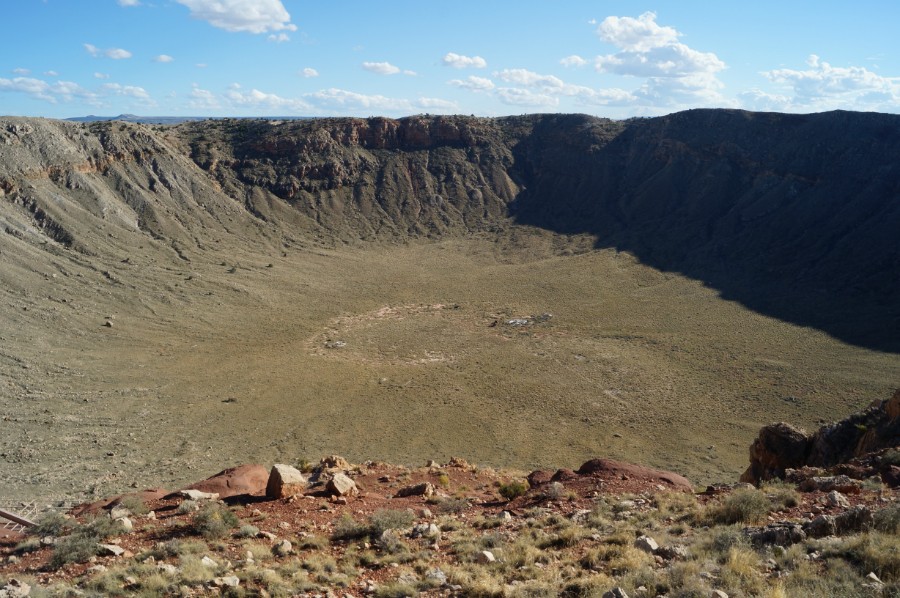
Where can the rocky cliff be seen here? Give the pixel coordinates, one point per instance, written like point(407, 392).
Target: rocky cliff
point(793, 215)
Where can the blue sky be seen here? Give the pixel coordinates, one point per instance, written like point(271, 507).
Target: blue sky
point(61, 58)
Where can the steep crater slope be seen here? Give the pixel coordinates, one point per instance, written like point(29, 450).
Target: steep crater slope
point(793, 215)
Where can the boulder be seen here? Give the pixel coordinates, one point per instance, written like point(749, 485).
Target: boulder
point(646, 544)
point(424, 489)
point(335, 462)
point(539, 477)
point(777, 534)
point(485, 557)
point(891, 476)
point(836, 499)
point(611, 467)
point(778, 447)
point(840, 483)
point(616, 592)
point(341, 485)
point(15, 588)
point(285, 481)
point(235, 481)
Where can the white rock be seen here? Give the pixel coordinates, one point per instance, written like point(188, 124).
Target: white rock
point(342, 485)
point(647, 544)
point(208, 562)
point(198, 495)
point(285, 481)
point(111, 550)
point(126, 524)
point(485, 557)
point(231, 581)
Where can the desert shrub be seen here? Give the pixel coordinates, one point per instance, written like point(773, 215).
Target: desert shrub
point(27, 545)
point(873, 552)
point(385, 519)
point(247, 531)
point(312, 542)
point(782, 495)
point(396, 590)
point(450, 505)
point(194, 571)
point(443, 480)
point(514, 489)
point(615, 558)
point(741, 506)
point(554, 491)
point(891, 457)
point(134, 504)
point(187, 506)
point(887, 520)
point(214, 522)
point(347, 528)
point(74, 548)
point(52, 524)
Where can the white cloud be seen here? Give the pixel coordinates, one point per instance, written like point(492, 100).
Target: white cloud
point(21, 71)
point(309, 72)
point(201, 65)
point(381, 68)
point(253, 16)
point(473, 83)
point(825, 87)
point(409, 73)
point(129, 2)
point(515, 96)
point(51, 74)
point(264, 101)
point(127, 90)
point(164, 58)
point(636, 35)
point(279, 38)
point(101, 76)
point(350, 101)
point(203, 99)
point(114, 53)
point(573, 61)
point(459, 61)
point(42, 90)
point(529, 78)
point(675, 74)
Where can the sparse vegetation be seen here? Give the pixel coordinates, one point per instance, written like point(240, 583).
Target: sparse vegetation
point(214, 521)
point(513, 489)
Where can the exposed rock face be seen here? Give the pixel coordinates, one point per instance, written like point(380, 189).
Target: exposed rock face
point(781, 446)
point(778, 447)
point(245, 479)
point(285, 481)
point(794, 215)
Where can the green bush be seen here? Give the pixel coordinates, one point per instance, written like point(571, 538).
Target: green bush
point(742, 506)
point(513, 489)
point(386, 519)
point(214, 522)
point(51, 524)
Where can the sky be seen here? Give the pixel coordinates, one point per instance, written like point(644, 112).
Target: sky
point(617, 59)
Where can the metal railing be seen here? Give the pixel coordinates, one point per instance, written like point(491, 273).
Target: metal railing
point(20, 520)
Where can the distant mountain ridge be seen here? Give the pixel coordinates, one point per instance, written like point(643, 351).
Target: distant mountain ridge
point(793, 215)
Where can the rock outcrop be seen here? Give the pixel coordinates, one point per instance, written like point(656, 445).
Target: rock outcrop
point(781, 447)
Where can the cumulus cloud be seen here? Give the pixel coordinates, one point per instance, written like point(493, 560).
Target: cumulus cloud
point(279, 37)
point(309, 72)
point(344, 100)
point(42, 90)
point(528, 78)
point(114, 53)
point(458, 61)
point(101, 76)
point(676, 75)
point(263, 101)
point(164, 58)
point(573, 61)
point(51, 74)
point(129, 2)
point(21, 71)
point(381, 68)
point(822, 86)
point(636, 35)
point(130, 91)
point(473, 83)
point(252, 16)
point(203, 99)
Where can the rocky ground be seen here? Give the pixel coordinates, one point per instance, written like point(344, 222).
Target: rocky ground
point(457, 529)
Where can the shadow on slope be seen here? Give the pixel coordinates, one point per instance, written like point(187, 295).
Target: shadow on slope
point(794, 216)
